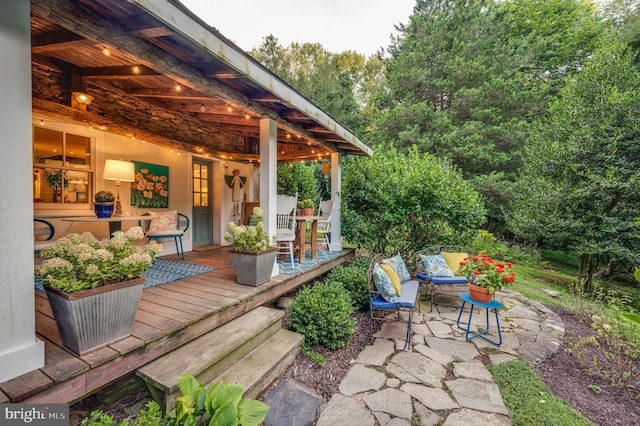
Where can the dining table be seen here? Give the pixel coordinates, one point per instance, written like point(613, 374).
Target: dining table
point(301, 230)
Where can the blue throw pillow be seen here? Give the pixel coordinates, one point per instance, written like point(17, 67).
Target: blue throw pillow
point(436, 266)
point(400, 267)
point(384, 285)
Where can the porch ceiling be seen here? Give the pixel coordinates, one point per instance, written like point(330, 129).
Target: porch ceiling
point(162, 83)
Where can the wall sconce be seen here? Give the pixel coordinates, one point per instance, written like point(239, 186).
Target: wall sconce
point(80, 100)
point(120, 171)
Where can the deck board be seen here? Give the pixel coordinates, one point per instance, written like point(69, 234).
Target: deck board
point(168, 317)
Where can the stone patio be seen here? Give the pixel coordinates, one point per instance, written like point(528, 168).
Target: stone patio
point(440, 379)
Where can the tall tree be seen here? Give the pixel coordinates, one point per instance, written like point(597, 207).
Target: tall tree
point(579, 188)
point(334, 81)
point(462, 83)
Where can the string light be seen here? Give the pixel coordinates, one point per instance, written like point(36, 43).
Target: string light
point(106, 51)
point(136, 69)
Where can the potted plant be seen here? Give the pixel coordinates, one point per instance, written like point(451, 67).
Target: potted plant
point(104, 203)
point(253, 254)
point(307, 207)
point(94, 286)
point(485, 276)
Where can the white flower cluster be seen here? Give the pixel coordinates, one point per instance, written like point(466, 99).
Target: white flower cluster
point(78, 262)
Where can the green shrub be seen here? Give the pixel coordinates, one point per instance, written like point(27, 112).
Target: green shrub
point(151, 416)
point(297, 178)
point(611, 352)
point(321, 313)
point(394, 202)
point(353, 278)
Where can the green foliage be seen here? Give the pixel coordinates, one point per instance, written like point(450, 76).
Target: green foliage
point(249, 238)
point(315, 356)
point(485, 242)
point(321, 313)
point(297, 178)
point(337, 82)
point(104, 196)
point(611, 353)
point(529, 400)
point(353, 278)
point(220, 402)
point(578, 190)
point(81, 262)
point(307, 203)
point(395, 202)
point(151, 416)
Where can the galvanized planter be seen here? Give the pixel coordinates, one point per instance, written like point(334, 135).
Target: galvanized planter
point(253, 268)
point(94, 318)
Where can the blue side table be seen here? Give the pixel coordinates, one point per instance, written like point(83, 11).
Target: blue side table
point(494, 304)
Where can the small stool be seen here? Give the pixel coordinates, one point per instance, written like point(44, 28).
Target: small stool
point(494, 304)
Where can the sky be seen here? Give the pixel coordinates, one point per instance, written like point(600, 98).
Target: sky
point(338, 25)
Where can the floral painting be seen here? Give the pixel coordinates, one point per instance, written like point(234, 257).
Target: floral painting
point(151, 187)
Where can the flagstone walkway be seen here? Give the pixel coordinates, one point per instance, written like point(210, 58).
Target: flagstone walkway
point(440, 379)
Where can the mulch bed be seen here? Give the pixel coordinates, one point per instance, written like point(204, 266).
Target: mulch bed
point(568, 379)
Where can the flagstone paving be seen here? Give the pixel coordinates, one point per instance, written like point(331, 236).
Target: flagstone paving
point(440, 378)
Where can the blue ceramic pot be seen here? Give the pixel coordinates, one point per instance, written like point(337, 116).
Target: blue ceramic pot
point(103, 209)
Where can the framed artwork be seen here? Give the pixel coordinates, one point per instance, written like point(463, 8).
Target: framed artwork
point(81, 197)
point(151, 187)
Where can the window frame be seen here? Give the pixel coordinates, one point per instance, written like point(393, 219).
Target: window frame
point(61, 209)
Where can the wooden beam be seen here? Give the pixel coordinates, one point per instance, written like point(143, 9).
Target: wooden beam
point(118, 72)
point(66, 45)
point(73, 17)
point(151, 32)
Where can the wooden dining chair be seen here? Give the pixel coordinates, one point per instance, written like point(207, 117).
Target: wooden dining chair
point(286, 224)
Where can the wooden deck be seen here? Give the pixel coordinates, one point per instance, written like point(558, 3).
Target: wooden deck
point(168, 316)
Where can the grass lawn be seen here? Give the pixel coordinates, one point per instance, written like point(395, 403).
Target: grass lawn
point(529, 400)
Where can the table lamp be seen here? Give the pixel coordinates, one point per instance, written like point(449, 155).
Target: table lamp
point(120, 171)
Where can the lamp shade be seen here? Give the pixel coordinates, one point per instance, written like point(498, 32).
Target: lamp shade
point(119, 170)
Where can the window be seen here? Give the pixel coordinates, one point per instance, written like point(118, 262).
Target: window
point(62, 174)
point(200, 185)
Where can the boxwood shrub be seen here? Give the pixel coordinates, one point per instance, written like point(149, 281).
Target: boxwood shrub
point(321, 313)
point(353, 277)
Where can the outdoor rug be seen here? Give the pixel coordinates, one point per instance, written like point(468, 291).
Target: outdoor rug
point(323, 256)
point(161, 272)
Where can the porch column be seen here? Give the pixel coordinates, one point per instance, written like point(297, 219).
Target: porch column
point(336, 190)
point(20, 350)
point(269, 176)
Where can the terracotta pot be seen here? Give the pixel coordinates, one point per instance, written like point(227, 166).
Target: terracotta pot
point(307, 212)
point(479, 294)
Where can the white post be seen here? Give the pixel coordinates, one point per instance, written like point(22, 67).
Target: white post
point(20, 350)
point(269, 176)
point(336, 192)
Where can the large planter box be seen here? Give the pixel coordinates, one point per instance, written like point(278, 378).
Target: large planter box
point(91, 319)
point(253, 268)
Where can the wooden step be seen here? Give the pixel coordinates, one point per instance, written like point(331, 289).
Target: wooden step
point(260, 367)
point(210, 354)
